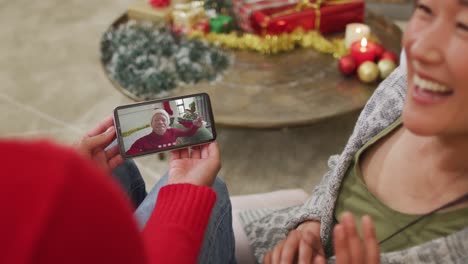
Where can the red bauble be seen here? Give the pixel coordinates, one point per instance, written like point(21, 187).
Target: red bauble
point(347, 65)
point(389, 56)
point(378, 49)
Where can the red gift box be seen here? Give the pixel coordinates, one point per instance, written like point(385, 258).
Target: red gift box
point(203, 25)
point(243, 9)
point(325, 16)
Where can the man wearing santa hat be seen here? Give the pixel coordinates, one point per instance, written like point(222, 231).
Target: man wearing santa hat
point(162, 135)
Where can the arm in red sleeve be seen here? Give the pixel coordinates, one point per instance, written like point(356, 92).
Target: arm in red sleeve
point(185, 133)
point(174, 233)
point(68, 211)
point(59, 208)
point(136, 147)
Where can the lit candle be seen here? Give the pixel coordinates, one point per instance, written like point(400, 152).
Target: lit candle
point(361, 52)
point(355, 32)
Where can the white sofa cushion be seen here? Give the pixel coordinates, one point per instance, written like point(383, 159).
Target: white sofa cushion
point(275, 200)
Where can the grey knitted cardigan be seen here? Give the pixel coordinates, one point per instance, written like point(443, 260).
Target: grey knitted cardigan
point(266, 227)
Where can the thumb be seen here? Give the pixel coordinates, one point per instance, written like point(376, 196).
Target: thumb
point(100, 140)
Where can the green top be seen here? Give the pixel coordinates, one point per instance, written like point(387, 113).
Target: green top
point(357, 199)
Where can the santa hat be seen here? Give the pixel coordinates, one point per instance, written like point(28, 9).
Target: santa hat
point(163, 112)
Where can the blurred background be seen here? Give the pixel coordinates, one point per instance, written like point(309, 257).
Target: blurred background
point(52, 86)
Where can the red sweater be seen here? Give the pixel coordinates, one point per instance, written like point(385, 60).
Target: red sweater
point(154, 141)
point(58, 208)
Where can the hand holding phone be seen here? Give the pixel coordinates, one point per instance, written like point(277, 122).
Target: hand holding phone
point(198, 165)
point(93, 146)
point(166, 124)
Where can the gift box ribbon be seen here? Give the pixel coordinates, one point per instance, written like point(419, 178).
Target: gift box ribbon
point(303, 5)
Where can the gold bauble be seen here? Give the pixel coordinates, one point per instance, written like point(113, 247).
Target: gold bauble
point(368, 72)
point(386, 67)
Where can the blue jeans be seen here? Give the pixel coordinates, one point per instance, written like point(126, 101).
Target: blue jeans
point(218, 244)
point(129, 178)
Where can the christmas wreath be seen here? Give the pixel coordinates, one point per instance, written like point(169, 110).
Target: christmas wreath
point(149, 59)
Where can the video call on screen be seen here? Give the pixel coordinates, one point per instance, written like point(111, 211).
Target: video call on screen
point(158, 126)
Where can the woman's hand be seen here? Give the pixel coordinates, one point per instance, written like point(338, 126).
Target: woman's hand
point(93, 144)
point(199, 166)
point(198, 122)
point(349, 248)
point(302, 245)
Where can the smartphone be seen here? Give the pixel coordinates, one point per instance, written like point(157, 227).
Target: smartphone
point(165, 124)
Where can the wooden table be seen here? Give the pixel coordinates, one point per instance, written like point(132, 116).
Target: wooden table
point(289, 89)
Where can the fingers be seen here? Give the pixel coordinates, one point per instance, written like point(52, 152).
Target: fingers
point(354, 242)
point(115, 161)
point(195, 152)
point(98, 141)
point(299, 246)
point(198, 122)
point(340, 244)
point(305, 253)
point(113, 157)
point(276, 254)
point(175, 155)
point(184, 153)
point(320, 260)
point(210, 151)
point(205, 151)
point(349, 248)
point(267, 258)
point(214, 155)
point(111, 152)
point(102, 126)
point(372, 254)
point(290, 247)
point(309, 247)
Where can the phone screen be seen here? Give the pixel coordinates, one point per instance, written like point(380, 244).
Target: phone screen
point(166, 124)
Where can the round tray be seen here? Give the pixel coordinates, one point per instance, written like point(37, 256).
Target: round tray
point(289, 89)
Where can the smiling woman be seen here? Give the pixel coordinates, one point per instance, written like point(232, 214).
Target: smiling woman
point(435, 43)
point(404, 167)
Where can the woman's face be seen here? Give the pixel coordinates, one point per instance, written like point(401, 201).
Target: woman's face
point(436, 45)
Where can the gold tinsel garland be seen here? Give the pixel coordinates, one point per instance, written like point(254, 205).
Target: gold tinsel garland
point(272, 44)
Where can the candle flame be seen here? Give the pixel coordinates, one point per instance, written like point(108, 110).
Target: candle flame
point(364, 42)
